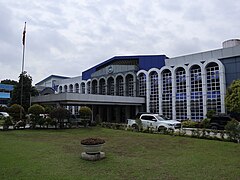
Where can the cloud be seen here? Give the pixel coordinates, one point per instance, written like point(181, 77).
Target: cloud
point(66, 37)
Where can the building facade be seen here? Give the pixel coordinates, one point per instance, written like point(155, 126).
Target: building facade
point(184, 87)
point(5, 94)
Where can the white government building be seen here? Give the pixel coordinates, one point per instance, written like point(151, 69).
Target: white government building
point(183, 87)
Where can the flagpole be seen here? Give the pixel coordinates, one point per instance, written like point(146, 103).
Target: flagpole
point(23, 41)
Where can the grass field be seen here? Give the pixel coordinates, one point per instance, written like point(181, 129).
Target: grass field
point(55, 154)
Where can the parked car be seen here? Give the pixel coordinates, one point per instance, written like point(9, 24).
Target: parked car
point(219, 121)
point(141, 113)
point(160, 123)
point(4, 114)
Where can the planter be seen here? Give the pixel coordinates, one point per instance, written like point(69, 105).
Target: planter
point(92, 149)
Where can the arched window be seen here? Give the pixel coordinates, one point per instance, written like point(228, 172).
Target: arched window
point(154, 93)
point(77, 88)
point(110, 86)
point(102, 86)
point(94, 87)
point(60, 89)
point(167, 93)
point(196, 93)
point(88, 87)
point(120, 85)
point(142, 86)
point(70, 88)
point(83, 88)
point(213, 87)
point(129, 85)
point(65, 88)
point(181, 96)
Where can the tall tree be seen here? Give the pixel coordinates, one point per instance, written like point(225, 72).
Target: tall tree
point(27, 91)
point(9, 81)
point(233, 97)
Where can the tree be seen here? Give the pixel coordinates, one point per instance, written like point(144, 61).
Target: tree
point(60, 114)
point(35, 111)
point(85, 114)
point(28, 90)
point(17, 112)
point(233, 130)
point(10, 82)
point(233, 97)
point(48, 108)
point(7, 122)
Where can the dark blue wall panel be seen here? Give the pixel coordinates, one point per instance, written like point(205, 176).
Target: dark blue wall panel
point(144, 62)
point(232, 69)
point(148, 62)
point(6, 87)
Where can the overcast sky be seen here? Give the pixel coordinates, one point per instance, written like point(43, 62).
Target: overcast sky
point(66, 37)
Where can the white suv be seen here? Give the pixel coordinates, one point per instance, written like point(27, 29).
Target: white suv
point(4, 114)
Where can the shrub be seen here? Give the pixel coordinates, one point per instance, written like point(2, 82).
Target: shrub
point(85, 115)
point(16, 111)
point(48, 121)
point(189, 124)
point(233, 130)
point(139, 124)
point(204, 135)
point(181, 132)
point(222, 134)
point(210, 114)
point(7, 121)
point(48, 109)
point(60, 114)
point(205, 123)
point(35, 111)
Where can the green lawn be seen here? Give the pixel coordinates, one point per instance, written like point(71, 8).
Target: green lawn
point(55, 154)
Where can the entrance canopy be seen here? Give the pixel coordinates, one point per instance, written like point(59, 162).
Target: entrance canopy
point(79, 99)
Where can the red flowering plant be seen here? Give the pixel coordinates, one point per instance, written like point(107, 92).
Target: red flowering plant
point(92, 141)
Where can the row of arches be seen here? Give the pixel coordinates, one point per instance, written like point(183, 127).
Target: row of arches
point(181, 92)
point(185, 92)
point(119, 85)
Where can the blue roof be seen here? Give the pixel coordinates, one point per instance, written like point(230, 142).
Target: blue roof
point(145, 62)
point(6, 87)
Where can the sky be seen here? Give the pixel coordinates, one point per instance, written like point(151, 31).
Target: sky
point(67, 37)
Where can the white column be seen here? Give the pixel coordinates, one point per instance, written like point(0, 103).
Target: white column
point(134, 86)
point(173, 94)
point(147, 92)
point(115, 86)
point(204, 90)
point(160, 93)
point(222, 87)
point(188, 93)
point(124, 86)
point(73, 110)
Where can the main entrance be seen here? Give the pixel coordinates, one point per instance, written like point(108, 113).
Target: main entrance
point(107, 108)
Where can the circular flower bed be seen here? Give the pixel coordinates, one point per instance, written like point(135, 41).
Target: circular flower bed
point(92, 141)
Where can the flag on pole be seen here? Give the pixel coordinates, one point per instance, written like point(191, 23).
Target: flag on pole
point(24, 32)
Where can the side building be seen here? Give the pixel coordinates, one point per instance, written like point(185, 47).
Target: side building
point(5, 94)
point(183, 87)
